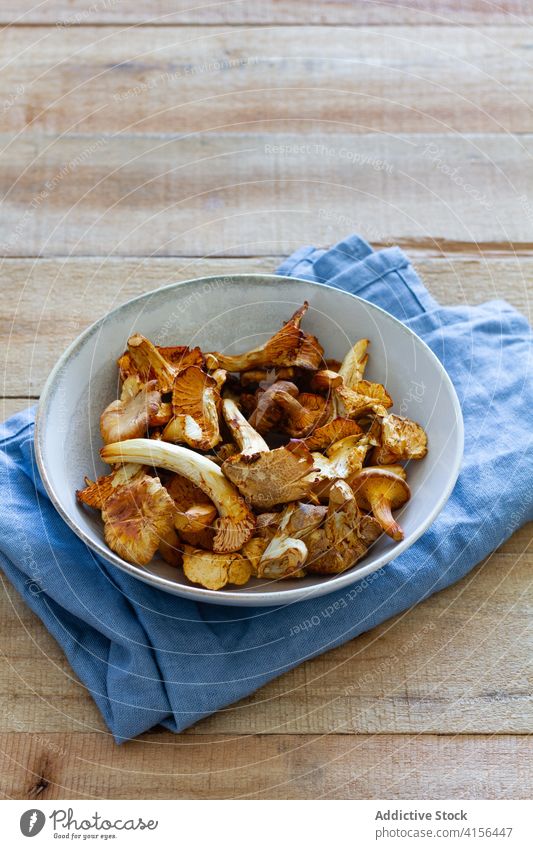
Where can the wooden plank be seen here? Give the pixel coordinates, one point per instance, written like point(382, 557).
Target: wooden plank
point(10, 406)
point(74, 766)
point(458, 663)
point(246, 12)
point(47, 303)
point(249, 194)
point(382, 79)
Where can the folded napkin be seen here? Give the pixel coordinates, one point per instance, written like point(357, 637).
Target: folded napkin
point(148, 658)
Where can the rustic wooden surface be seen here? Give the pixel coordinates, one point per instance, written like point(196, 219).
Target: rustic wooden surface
point(145, 143)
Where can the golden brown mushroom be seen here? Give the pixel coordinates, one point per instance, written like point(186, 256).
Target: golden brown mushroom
point(265, 477)
point(365, 397)
point(381, 492)
point(395, 468)
point(401, 439)
point(214, 571)
point(195, 402)
point(289, 347)
point(302, 414)
point(126, 419)
point(353, 396)
point(331, 432)
point(265, 377)
point(146, 361)
point(97, 492)
point(286, 553)
point(195, 512)
point(267, 413)
point(236, 522)
point(344, 459)
point(354, 363)
point(324, 381)
point(181, 356)
point(161, 416)
point(131, 387)
point(171, 548)
point(137, 516)
point(345, 537)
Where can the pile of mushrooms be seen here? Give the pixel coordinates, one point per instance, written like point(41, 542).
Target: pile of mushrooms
point(271, 464)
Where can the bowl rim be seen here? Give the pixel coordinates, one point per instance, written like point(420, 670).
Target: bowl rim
point(325, 584)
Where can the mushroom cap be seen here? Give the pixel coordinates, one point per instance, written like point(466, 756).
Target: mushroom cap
point(265, 377)
point(376, 482)
point(97, 492)
point(195, 518)
point(266, 525)
point(195, 402)
point(253, 550)
point(267, 412)
point(170, 547)
point(325, 435)
point(284, 557)
point(303, 413)
point(401, 439)
point(130, 418)
point(354, 364)
point(362, 398)
point(162, 415)
point(324, 380)
point(273, 477)
point(145, 360)
point(290, 346)
point(395, 468)
point(136, 517)
point(181, 356)
point(338, 545)
point(214, 571)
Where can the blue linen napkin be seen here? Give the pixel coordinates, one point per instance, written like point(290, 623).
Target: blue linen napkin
point(148, 658)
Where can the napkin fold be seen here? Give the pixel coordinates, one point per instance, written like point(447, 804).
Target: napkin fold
point(150, 658)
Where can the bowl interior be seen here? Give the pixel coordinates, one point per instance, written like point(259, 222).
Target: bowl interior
point(233, 314)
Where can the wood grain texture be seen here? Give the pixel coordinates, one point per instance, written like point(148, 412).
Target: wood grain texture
point(46, 304)
point(424, 79)
point(249, 194)
point(59, 766)
point(246, 12)
point(217, 139)
point(458, 663)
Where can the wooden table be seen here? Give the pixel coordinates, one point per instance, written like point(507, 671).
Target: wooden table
point(154, 141)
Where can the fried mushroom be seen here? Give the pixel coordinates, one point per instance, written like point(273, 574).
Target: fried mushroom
point(214, 571)
point(286, 553)
point(265, 478)
point(137, 516)
point(195, 403)
point(129, 418)
point(381, 492)
point(235, 523)
point(401, 439)
point(289, 347)
point(345, 537)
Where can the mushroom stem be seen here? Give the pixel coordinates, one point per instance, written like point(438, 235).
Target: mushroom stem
point(249, 441)
point(381, 508)
point(381, 492)
point(236, 522)
point(149, 362)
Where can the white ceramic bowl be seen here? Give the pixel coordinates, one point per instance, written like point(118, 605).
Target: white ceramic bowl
point(233, 314)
